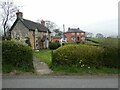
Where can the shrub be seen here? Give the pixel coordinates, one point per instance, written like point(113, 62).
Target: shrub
point(111, 50)
point(80, 55)
point(54, 45)
point(110, 57)
point(78, 42)
point(17, 56)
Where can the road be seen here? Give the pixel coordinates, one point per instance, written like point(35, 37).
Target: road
point(60, 82)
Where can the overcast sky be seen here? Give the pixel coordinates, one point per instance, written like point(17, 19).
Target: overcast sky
point(95, 16)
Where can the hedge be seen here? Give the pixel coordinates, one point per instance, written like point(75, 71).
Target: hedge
point(85, 55)
point(54, 45)
point(111, 57)
point(78, 55)
point(16, 56)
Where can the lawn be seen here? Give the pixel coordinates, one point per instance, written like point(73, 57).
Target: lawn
point(105, 41)
point(45, 56)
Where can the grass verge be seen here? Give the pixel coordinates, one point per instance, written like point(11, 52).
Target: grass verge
point(63, 70)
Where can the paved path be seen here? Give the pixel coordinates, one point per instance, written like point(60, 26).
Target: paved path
point(41, 67)
point(60, 82)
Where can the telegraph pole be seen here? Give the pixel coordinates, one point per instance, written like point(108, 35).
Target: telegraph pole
point(63, 32)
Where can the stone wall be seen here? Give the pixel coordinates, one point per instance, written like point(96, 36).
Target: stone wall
point(19, 30)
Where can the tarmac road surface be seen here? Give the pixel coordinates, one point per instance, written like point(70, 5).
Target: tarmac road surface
point(60, 82)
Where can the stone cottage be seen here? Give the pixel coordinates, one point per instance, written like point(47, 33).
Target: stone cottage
point(75, 34)
point(37, 34)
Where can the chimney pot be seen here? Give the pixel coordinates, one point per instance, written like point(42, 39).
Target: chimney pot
point(19, 15)
point(43, 22)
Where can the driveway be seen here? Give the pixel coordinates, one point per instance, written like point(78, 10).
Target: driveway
point(60, 82)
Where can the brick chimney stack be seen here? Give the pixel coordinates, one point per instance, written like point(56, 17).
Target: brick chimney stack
point(43, 22)
point(19, 14)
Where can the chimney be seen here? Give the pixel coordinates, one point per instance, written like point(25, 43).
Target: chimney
point(43, 22)
point(19, 15)
point(78, 28)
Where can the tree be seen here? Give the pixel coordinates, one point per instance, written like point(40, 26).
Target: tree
point(50, 25)
point(99, 35)
point(89, 34)
point(8, 14)
point(58, 32)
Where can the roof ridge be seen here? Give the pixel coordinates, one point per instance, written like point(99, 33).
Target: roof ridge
point(31, 21)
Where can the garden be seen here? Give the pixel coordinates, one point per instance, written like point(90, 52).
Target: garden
point(69, 59)
point(83, 58)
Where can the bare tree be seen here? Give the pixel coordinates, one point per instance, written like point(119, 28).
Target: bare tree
point(89, 34)
point(50, 25)
point(58, 32)
point(99, 35)
point(8, 14)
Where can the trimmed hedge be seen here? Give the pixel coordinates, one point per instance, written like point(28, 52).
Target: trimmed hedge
point(54, 45)
point(111, 57)
point(78, 55)
point(85, 56)
point(17, 56)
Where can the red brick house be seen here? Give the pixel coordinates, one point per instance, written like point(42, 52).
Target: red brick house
point(74, 34)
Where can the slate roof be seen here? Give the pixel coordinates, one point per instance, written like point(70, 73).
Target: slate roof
point(73, 30)
point(31, 25)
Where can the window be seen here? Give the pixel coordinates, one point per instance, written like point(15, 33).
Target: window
point(78, 33)
point(82, 34)
point(72, 37)
point(36, 43)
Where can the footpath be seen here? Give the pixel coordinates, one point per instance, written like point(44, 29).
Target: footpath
point(41, 67)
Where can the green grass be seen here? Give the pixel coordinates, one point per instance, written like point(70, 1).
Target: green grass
point(44, 55)
point(105, 41)
point(63, 70)
point(16, 71)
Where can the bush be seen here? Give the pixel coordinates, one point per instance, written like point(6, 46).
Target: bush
point(110, 57)
point(78, 42)
point(17, 56)
point(54, 45)
point(80, 55)
point(111, 50)
point(86, 55)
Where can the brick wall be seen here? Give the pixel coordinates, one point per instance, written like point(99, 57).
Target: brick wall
point(76, 35)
